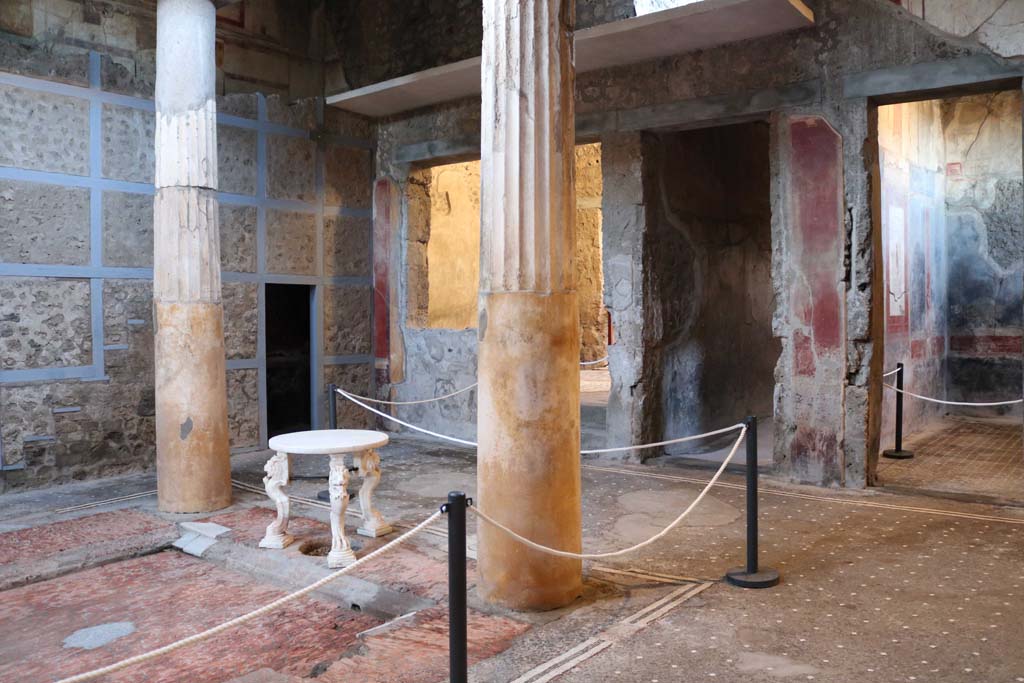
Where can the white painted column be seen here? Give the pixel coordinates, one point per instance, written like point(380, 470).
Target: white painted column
point(529, 420)
point(193, 467)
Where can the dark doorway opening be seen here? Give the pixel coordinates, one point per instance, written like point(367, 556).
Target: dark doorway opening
point(713, 271)
point(289, 373)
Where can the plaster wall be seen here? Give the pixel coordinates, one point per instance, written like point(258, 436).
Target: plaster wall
point(994, 23)
point(985, 246)
point(76, 240)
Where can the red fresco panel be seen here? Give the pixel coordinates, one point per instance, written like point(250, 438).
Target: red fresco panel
point(818, 241)
point(986, 345)
point(817, 192)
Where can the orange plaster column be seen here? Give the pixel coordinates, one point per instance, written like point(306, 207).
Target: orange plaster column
point(529, 421)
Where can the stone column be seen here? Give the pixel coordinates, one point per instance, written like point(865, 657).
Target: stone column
point(193, 469)
point(529, 421)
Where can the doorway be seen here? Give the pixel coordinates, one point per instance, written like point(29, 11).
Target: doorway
point(951, 214)
point(288, 358)
point(713, 269)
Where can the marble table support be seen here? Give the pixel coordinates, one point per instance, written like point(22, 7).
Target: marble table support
point(335, 443)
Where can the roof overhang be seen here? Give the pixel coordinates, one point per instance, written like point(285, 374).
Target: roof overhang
point(696, 26)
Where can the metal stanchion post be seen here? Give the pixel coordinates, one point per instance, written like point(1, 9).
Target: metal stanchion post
point(752, 576)
point(332, 406)
point(455, 508)
point(898, 453)
point(332, 423)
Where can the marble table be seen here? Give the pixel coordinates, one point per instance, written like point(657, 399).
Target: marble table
point(335, 443)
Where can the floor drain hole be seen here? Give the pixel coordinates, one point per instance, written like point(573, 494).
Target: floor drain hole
point(319, 547)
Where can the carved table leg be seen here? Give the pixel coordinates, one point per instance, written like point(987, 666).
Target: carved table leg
point(369, 469)
point(277, 535)
point(341, 554)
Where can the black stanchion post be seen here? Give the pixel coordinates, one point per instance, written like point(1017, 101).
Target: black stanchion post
point(332, 406)
point(332, 423)
point(898, 453)
point(752, 576)
point(458, 656)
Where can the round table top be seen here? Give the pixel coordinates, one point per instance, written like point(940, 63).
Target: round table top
point(327, 441)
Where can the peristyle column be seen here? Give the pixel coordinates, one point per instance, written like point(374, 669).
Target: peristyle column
point(193, 469)
point(529, 415)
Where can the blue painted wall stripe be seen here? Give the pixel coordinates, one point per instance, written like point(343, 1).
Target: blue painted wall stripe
point(354, 359)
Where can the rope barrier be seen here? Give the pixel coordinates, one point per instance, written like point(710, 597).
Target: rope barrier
point(890, 373)
point(203, 635)
point(596, 556)
point(682, 439)
point(592, 451)
point(352, 398)
point(445, 396)
point(411, 403)
point(952, 403)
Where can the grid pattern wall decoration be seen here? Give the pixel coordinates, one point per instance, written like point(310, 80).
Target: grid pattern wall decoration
point(76, 236)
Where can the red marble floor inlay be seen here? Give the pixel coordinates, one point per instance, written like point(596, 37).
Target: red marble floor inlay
point(416, 650)
point(407, 569)
point(165, 597)
point(51, 539)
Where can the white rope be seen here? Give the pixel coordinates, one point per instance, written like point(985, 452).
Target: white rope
point(624, 551)
point(203, 635)
point(464, 442)
point(890, 373)
point(445, 396)
point(954, 403)
point(404, 424)
point(682, 439)
point(411, 403)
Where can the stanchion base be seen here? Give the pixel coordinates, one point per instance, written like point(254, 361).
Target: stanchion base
point(766, 578)
point(897, 455)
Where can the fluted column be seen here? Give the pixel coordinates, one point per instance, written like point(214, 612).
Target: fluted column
point(529, 420)
point(193, 468)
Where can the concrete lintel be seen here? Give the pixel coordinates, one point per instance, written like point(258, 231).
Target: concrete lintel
point(687, 113)
point(928, 79)
point(718, 108)
point(455, 149)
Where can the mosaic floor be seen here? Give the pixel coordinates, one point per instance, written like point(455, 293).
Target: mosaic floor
point(963, 456)
point(877, 587)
